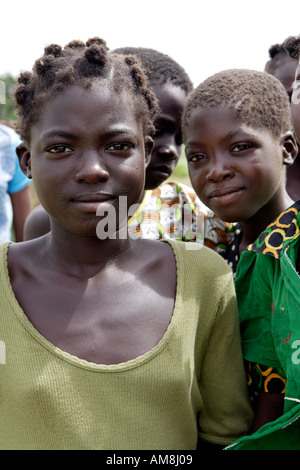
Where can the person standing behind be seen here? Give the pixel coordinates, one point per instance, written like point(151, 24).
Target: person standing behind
point(15, 195)
point(283, 67)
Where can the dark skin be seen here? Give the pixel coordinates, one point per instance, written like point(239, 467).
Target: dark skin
point(164, 156)
point(285, 73)
point(21, 203)
point(295, 108)
point(168, 137)
point(239, 173)
point(82, 156)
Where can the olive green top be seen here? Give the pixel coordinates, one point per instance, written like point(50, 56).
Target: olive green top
point(193, 378)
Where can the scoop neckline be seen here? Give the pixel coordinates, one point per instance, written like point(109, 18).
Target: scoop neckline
point(76, 361)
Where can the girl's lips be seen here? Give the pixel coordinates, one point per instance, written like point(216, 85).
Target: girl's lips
point(90, 203)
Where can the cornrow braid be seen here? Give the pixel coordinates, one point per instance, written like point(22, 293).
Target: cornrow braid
point(292, 46)
point(81, 64)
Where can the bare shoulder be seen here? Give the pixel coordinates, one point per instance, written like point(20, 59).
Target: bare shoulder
point(23, 256)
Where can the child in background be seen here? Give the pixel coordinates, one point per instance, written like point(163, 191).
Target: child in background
point(239, 141)
point(268, 286)
point(167, 209)
point(116, 342)
point(282, 66)
point(165, 204)
point(15, 195)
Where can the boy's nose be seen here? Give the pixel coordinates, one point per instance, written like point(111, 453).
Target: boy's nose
point(169, 150)
point(91, 168)
point(219, 171)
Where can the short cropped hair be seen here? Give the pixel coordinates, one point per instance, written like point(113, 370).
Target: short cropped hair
point(257, 98)
point(278, 55)
point(160, 68)
point(82, 64)
point(292, 46)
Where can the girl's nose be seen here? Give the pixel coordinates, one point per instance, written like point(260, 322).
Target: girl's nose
point(92, 168)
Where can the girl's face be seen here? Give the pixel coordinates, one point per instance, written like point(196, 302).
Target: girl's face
point(86, 150)
point(168, 136)
point(295, 104)
point(236, 170)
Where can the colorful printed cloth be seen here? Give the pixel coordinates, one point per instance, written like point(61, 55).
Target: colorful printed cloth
point(268, 286)
point(173, 211)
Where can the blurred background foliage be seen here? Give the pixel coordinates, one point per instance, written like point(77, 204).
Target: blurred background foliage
point(7, 112)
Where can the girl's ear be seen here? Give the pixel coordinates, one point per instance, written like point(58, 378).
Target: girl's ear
point(290, 148)
point(24, 159)
point(149, 144)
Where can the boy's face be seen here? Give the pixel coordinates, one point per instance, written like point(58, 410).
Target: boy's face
point(86, 150)
point(295, 104)
point(235, 169)
point(285, 73)
point(168, 137)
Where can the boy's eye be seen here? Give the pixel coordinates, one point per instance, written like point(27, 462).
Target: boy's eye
point(159, 132)
point(120, 146)
point(196, 157)
point(59, 149)
point(179, 140)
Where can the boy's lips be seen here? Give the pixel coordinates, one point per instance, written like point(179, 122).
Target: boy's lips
point(161, 169)
point(226, 195)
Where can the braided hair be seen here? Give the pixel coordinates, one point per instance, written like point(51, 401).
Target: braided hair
point(82, 64)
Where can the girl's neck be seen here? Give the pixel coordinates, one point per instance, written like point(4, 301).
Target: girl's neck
point(84, 256)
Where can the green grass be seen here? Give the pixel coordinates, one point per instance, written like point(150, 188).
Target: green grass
point(181, 173)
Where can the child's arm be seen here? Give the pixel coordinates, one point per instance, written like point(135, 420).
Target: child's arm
point(227, 411)
point(254, 288)
point(269, 408)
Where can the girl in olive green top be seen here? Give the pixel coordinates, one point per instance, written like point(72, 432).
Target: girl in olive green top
point(108, 342)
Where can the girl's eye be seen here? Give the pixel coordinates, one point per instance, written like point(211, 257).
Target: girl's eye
point(241, 147)
point(59, 149)
point(120, 147)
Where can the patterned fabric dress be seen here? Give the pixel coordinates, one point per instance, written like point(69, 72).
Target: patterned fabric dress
point(268, 292)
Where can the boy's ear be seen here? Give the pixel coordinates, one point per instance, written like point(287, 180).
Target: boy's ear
point(24, 159)
point(290, 148)
point(149, 144)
